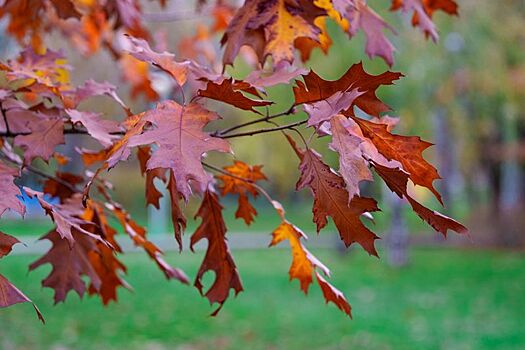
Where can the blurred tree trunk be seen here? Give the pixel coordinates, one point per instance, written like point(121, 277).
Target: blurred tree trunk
point(447, 161)
point(397, 238)
point(511, 197)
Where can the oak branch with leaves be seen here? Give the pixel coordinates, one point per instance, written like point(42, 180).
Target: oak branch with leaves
point(39, 106)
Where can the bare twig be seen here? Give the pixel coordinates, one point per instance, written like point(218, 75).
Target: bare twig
point(72, 131)
point(266, 118)
point(76, 131)
point(262, 131)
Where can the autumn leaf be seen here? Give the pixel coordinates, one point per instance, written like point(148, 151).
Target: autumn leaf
point(218, 257)
point(177, 216)
point(67, 216)
point(227, 93)
point(63, 185)
point(137, 73)
point(70, 263)
point(397, 180)
point(281, 74)
point(141, 50)
point(304, 264)
point(10, 295)
point(270, 28)
point(331, 199)
point(422, 12)
point(315, 88)
point(45, 135)
point(352, 166)
point(323, 110)
point(102, 130)
point(407, 150)
point(9, 192)
point(91, 88)
point(234, 185)
point(177, 130)
point(6, 244)
point(137, 234)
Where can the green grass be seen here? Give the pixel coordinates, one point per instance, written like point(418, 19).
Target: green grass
point(444, 300)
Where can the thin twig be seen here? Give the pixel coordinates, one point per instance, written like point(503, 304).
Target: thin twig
point(261, 131)
point(266, 118)
point(72, 131)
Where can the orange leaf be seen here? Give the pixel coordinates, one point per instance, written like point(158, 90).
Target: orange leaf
point(304, 264)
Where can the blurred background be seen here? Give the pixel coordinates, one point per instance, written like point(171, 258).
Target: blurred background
point(466, 94)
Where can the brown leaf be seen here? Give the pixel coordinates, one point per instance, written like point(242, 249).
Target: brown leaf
point(332, 294)
point(270, 28)
point(397, 180)
point(177, 216)
point(137, 234)
point(45, 135)
point(56, 189)
point(316, 89)
point(10, 295)
point(405, 149)
point(423, 11)
point(6, 244)
point(9, 191)
point(331, 199)
point(100, 129)
point(70, 263)
point(322, 111)
point(218, 257)
point(352, 166)
point(67, 216)
point(226, 92)
point(178, 132)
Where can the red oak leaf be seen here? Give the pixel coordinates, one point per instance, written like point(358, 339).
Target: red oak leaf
point(218, 257)
point(228, 92)
point(407, 150)
point(331, 199)
point(178, 132)
point(9, 191)
point(316, 89)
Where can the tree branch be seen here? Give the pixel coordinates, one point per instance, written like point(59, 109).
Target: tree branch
point(72, 131)
point(262, 131)
point(289, 111)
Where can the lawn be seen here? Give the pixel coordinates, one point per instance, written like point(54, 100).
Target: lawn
point(444, 300)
